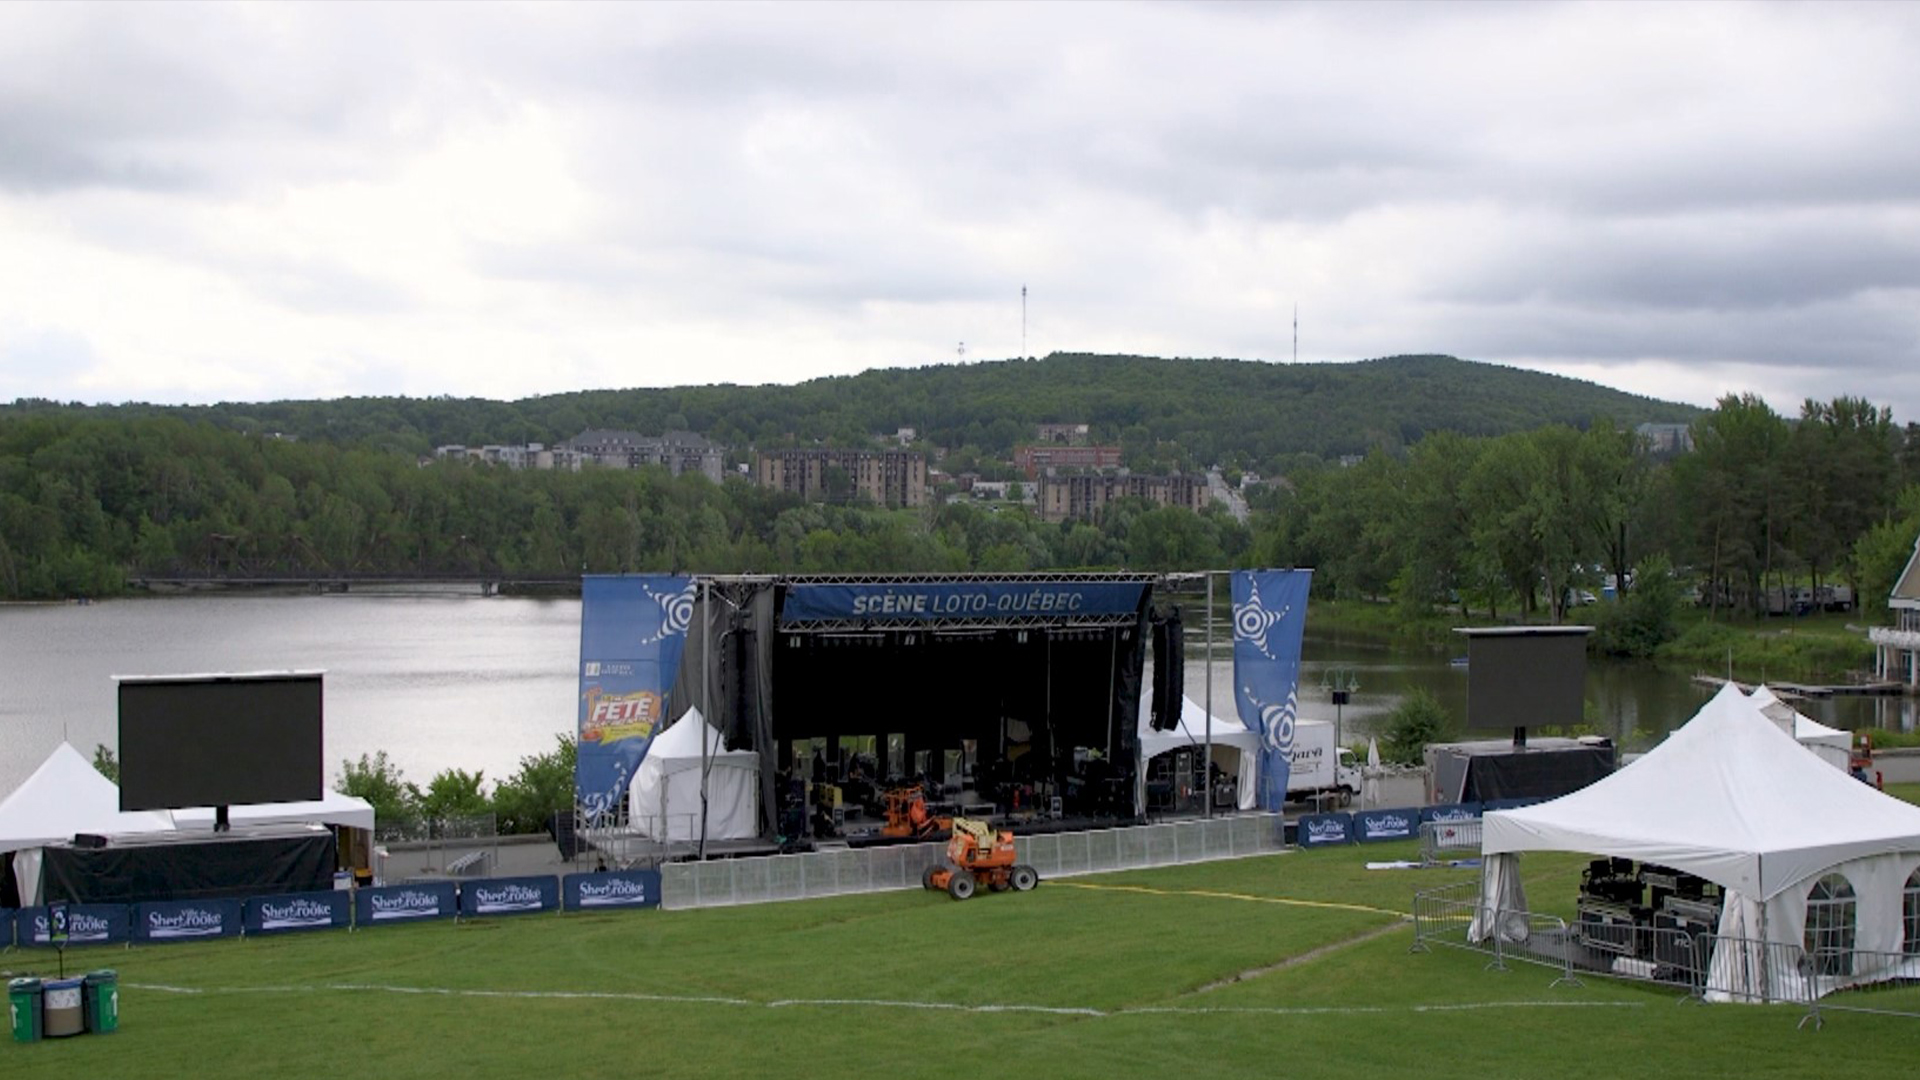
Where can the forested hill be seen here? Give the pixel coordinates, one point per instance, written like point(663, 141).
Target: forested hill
point(1179, 411)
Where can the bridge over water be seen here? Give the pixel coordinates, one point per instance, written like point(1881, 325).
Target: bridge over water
point(328, 581)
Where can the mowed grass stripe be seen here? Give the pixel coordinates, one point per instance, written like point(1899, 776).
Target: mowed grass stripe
point(1214, 894)
point(860, 1003)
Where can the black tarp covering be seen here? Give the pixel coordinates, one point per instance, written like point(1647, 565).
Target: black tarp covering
point(1529, 774)
point(194, 867)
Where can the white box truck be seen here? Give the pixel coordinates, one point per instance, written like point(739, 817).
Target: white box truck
point(1319, 768)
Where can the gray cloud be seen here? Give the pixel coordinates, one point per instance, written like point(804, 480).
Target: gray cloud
point(1717, 187)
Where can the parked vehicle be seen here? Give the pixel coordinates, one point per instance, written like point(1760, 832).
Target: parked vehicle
point(1319, 768)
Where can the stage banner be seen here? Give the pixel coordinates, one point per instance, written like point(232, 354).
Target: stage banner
point(633, 628)
point(329, 910)
point(1373, 825)
point(1269, 614)
point(1451, 813)
point(933, 600)
point(87, 924)
point(509, 896)
point(404, 903)
point(1318, 830)
point(185, 920)
point(612, 889)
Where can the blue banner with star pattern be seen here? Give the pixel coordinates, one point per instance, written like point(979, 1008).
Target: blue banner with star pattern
point(633, 628)
point(1269, 615)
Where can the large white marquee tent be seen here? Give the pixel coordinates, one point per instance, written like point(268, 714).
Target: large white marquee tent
point(1733, 799)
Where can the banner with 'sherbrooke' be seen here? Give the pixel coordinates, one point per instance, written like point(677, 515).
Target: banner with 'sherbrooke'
point(291, 912)
point(160, 921)
point(611, 890)
point(405, 903)
point(509, 896)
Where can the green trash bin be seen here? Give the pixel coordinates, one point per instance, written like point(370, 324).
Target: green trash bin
point(23, 1005)
point(100, 997)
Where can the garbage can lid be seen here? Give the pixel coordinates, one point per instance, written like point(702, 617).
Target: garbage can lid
point(27, 983)
point(102, 975)
point(64, 984)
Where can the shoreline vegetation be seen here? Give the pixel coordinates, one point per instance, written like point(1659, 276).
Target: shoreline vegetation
point(1824, 648)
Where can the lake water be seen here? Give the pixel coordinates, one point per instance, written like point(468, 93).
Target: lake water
point(462, 681)
point(437, 681)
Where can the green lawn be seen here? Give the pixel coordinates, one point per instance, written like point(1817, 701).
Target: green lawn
point(1286, 965)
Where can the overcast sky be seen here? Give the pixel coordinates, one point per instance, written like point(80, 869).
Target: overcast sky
point(264, 201)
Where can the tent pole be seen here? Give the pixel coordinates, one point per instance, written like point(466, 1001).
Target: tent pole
point(706, 704)
point(1206, 763)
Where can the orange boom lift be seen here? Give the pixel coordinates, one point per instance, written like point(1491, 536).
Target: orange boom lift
point(978, 855)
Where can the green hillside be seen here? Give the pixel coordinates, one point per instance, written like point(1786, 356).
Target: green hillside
point(1178, 411)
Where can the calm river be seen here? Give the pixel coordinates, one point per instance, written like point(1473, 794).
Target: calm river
point(461, 681)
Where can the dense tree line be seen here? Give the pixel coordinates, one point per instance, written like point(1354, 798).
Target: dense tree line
point(1531, 520)
point(1178, 413)
point(1510, 524)
point(86, 501)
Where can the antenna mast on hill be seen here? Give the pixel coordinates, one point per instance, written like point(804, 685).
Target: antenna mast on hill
point(961, 352)
point(1296, 333)
point(1023, 322)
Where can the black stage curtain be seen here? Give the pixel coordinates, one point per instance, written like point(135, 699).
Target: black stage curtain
point(198, 868)
point(1169, 670)
point(1527, 774)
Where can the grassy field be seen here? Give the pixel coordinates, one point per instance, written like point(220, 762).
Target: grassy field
point(1286, 965)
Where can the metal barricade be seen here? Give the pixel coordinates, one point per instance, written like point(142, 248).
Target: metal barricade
point(1441, 838)
point(839, 871)
point(1883, 983)
point(1443, 916)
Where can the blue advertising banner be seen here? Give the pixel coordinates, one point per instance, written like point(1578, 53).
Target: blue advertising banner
point(510, 896)
point(1452, 812)
point(87, 924)
point(328, 910)
point(185, 920)
point(404, 903)
point(929, 600)
point(633, 628)
point(1372, 825)
point(612, 889)
point(1269, 614)
point(1511, 804)
point(1316, 830)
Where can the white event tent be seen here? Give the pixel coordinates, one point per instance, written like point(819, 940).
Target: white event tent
point(67, 796)
point(332, 808)
point(1731, 798)
point(1229, 737)
point(64, 796)
point(664, 800)
point(1831, 745)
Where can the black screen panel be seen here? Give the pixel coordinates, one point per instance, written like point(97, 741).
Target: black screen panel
point(220, 741)
point(1526, 679)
